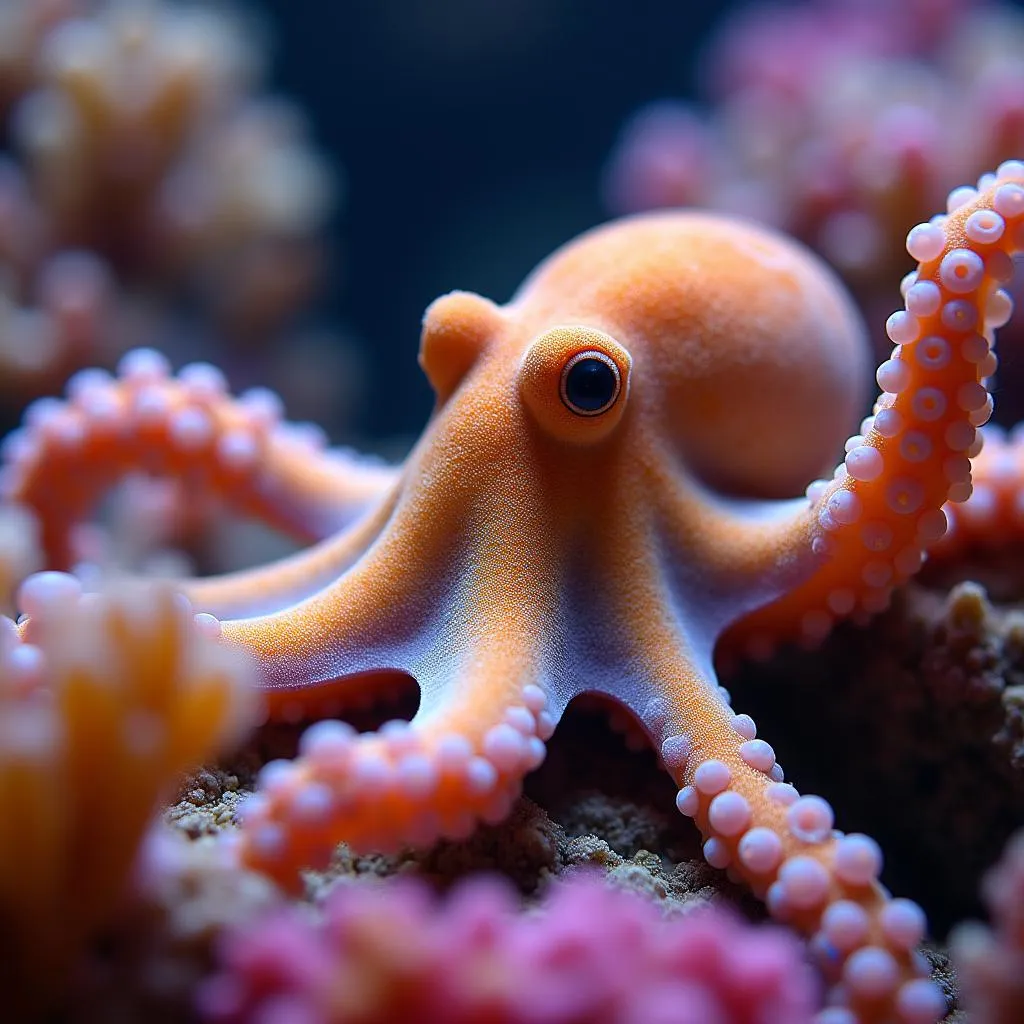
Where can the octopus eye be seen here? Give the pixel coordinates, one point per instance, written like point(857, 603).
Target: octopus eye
point(590, 384)
point(575, 381)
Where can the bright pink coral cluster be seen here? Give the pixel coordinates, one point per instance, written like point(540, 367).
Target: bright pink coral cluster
point(592, 955)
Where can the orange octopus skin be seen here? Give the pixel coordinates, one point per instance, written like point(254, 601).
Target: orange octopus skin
point(994, 515)
point(558, 531)
point(68, 454)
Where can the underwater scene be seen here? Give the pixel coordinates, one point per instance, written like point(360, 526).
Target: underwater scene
point(454, 454)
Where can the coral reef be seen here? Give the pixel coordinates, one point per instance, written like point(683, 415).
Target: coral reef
point(594, 513)
point(159, 942)
point(390, 953)
point(148, 179)
point(342, 613)
point(105, 700)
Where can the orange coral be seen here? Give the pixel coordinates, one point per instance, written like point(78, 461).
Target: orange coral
point(105, 700)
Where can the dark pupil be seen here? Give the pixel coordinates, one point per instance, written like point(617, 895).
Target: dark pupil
point(590, 385)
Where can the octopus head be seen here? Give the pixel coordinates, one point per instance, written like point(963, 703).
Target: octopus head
point(457, 329)
point(573, 379)
point(736, 346)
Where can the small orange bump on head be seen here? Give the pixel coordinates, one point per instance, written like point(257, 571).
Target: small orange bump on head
point(456, 327)
point(748, 355)
point(575, 381)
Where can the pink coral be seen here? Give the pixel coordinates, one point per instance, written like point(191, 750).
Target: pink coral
point(991, 962)
point(593, 955)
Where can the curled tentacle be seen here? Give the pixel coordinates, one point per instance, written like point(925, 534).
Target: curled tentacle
point(407, 784)
point(480, 728)
point(781, 844)
point(70, 453)
point(477, 643)
point(884, 506)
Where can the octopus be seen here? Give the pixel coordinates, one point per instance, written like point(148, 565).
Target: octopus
point(601, 503)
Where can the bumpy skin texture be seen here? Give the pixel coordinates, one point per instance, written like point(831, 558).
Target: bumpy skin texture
point(239, 451)
point(544, 540)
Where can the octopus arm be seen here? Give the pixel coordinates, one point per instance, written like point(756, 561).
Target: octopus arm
point(783, 846)
point(780, 843)
point(993, 516)
point(269, 589)
point(874, 521)
point(480, 727)
point(186, 428)
point(733, 556)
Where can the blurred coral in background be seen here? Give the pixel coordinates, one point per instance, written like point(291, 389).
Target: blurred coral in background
point(991, 962)
point(151, 191)
point(154, 195)
point(106, 700)
point(835, 121)
point(20, 553)
point(590, 953)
